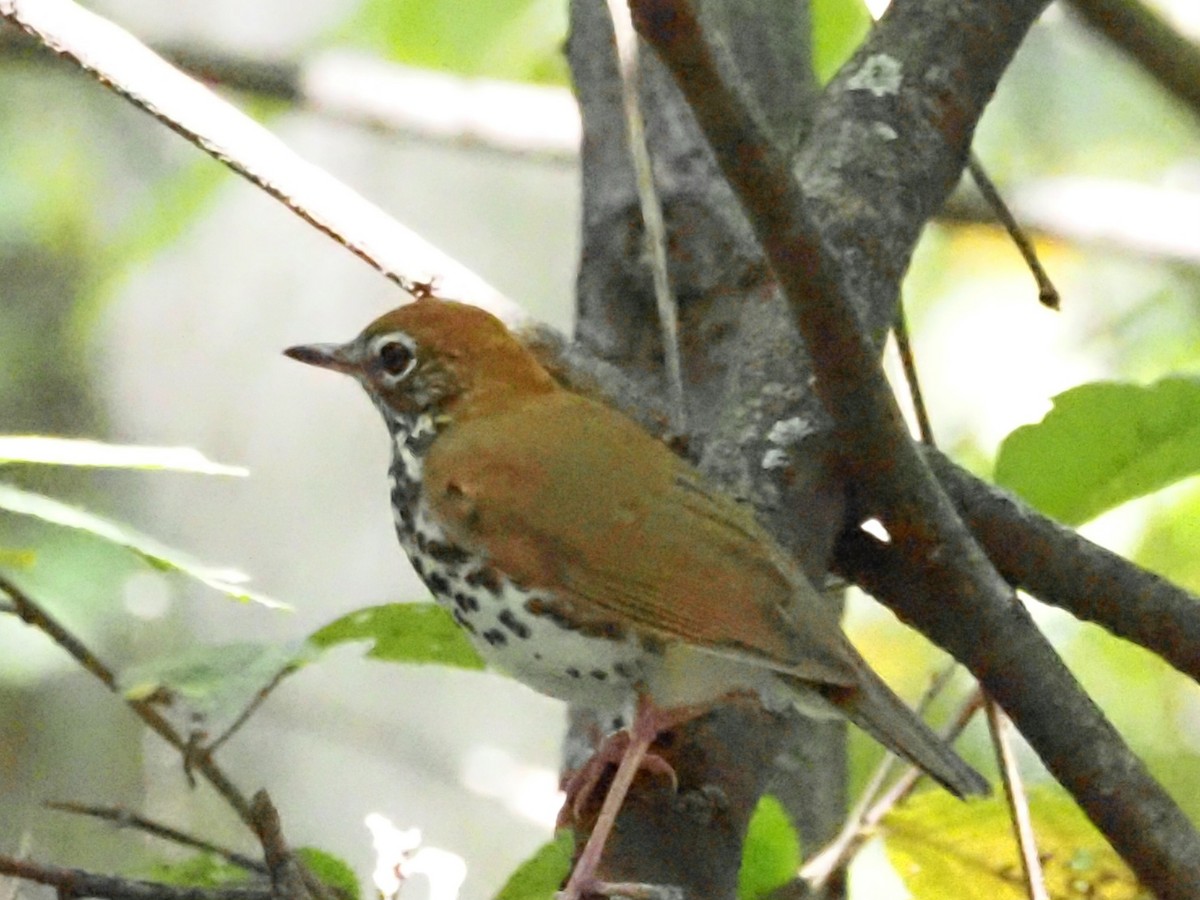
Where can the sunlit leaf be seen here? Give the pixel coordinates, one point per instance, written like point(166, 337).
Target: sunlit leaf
point(540, 876)
point(227, 581)
point(403, 632)
point(1104, 444)
point(771, 854)
point(30, 448)
point(945, 849)
point(332, 870)
point(211, 680)
point(838, 27)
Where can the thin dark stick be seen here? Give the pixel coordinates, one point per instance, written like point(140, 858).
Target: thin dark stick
point(32, 614)
point(253, 705)
point(908, 362)
point(837, 854)
point(123, 818)
point(1047, 292)
point(290, 880)
point(79, 883)
point(1010, 776)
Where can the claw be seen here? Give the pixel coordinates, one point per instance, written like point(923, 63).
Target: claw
point(580, 786)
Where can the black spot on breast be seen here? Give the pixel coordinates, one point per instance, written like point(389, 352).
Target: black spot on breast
point(438, 584)
point(486, 578)
point(599, 674)
point(509, 620)
point(447, 554)
point(495, 637)
point(462, 620)
point(466, 602)
point(536, 606)
point(622, 670)
point(574, 672)
point(418, 565)
point(652, 645)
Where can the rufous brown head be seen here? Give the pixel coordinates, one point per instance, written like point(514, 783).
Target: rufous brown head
point(433, 356)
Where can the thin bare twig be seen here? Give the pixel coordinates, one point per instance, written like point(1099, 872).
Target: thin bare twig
point(34, 615)
point(909, 364)
point(998, 724)
point(1047, 293)
point(124, 818)
point(837, 853)
point(652, 214)
point(290, 880)
point(1018, 803)
point(257, 701)
point(79, 883)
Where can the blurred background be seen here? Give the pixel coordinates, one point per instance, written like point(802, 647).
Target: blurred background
point(145, 295)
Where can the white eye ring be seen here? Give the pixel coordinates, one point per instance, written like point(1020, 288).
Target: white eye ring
point(393, 356)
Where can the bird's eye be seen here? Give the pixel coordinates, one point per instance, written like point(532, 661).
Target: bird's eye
point(395, 357)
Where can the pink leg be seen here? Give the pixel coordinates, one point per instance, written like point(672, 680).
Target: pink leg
point(581, 785)
point(648, 723)
point(641, 735)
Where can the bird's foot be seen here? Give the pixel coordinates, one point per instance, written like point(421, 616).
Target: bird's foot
point(581, 785)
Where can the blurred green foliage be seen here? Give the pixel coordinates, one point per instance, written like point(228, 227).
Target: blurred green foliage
point(771, 854)
point(539, 877)
point(517, 40)
point(838, 27)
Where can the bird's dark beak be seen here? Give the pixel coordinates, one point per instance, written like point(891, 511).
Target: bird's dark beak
point(327, 356)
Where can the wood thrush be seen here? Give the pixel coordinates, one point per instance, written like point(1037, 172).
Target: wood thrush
point(587, 560)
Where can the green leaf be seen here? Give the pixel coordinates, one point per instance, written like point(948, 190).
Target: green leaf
point(212, 680)
point(839, 26)
point(520, 40)
point(540, 876)
point(1103, 444)
point(30, 448)
point(403, 632)
point(771, 855)
point(204, 870)
point(332, 871)
point(227, 581)
point(945, 849)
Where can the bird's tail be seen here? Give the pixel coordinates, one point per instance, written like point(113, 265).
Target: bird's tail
point(873, 707)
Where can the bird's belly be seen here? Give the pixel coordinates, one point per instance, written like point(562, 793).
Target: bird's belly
point(538, 649)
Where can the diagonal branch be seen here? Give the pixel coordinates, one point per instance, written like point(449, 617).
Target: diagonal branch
point(78, 883)
point(32, 614)
point(1061, 567)
point(968, 608)
point(1150, 41)
point(120, 62)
